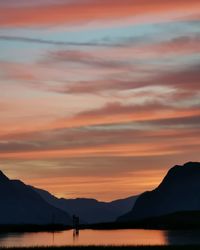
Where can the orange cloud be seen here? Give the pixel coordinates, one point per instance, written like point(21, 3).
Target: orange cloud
point(112, 113)
point(117, 113)
point(135, 150)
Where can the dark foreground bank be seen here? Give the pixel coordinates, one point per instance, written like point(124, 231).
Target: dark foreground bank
point(32, 228)
point(183, 220)
point(109, 247)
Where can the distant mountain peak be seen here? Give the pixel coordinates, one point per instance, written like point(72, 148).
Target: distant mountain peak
point(188, 167)
point(3, 177)
point(187, 172)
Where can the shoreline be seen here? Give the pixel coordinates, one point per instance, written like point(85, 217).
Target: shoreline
point(99, 227)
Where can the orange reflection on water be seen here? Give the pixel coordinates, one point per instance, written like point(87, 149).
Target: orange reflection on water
point(86, 237)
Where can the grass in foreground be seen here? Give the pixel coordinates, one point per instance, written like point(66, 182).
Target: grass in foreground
point(188, 247)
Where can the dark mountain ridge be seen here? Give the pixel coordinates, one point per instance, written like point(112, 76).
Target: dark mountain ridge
point(179, 191)
point(19, 204)
point(23, 204)
point(90, 210)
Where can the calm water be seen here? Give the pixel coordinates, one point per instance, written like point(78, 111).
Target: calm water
point(102, 237)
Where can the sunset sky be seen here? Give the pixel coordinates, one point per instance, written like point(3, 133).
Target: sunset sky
point(98, 98)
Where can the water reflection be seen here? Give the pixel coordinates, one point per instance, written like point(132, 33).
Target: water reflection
point(101, 237)
point(75, 235)
point(53, 238)
point(87, 237)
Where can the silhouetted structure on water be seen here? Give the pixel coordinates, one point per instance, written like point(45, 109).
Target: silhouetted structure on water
point(75, 222)
point(75, 226)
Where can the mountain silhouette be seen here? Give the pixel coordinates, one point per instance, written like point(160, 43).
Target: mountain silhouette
point(179, 191)
point(90, 210)
point(20, 204)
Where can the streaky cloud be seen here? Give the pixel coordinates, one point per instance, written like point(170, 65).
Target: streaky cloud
point(52, 42)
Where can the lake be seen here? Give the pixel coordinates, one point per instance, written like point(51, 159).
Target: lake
point(101, 237)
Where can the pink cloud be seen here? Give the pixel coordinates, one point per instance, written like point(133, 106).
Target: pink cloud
point(86, 11)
